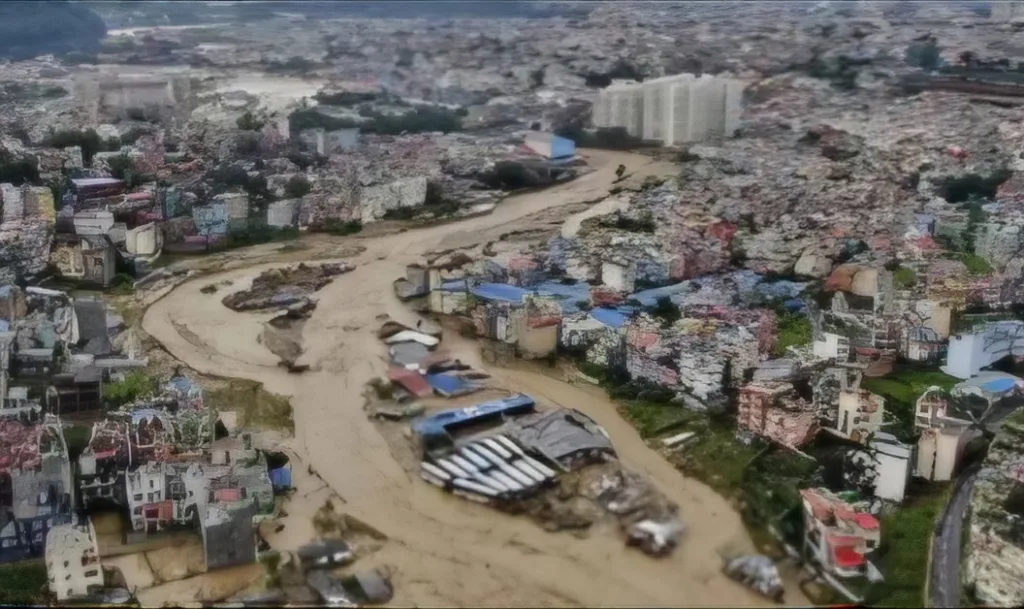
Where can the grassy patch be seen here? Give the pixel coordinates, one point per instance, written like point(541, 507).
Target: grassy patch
point(976, 265)
point(905, 277)
point(23, 583)
point(903, 554)
point(901, 389)
point(650, 418)
point(255, 406)
point(907, 384)
point(794, 330)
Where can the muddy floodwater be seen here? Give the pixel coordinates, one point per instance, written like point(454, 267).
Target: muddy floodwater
point(446, 551)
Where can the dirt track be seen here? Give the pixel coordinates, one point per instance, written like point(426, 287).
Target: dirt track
point(447, 551)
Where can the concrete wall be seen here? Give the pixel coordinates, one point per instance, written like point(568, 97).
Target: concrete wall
point(619, 277)
point(67, 257)
point(893, 470)
point(341, 140)
point(283, 213)
point(144, 240)
point(93, 222)
point(237, 204)
point(211, 219)
point(375, 201)
point(938, 453)
point(969, 353)
point(228, 536)
point(13, 204)
point(538, 342)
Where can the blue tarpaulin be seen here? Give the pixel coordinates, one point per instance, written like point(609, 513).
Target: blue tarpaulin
point(609, 317)
point(447, 384)
point(649, 298)
point(281, 478)
point(500, 291)
point(569, 296)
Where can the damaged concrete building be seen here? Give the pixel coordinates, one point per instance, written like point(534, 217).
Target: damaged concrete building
point(946, 427)
point(36, 487)
point(838, 537)
point(72, 561)
point(164, 467)
point(775, 411)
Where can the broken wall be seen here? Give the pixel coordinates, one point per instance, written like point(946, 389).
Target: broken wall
point(376, 201)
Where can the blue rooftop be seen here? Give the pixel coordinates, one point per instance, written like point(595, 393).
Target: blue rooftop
point(610, 317)
point(500, 291)
point(999, 385)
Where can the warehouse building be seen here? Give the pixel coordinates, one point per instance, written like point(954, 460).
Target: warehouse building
point(550, 146)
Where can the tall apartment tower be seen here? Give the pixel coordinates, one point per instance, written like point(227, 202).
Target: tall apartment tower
point(674, 110)
point(620, 105)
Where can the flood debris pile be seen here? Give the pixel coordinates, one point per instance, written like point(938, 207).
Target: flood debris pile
point(420, 369)
point(558, 466)
point(289, 288)
point(322, 570)
point(758, 572)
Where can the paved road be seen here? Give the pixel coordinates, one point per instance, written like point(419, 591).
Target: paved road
point(944, 588)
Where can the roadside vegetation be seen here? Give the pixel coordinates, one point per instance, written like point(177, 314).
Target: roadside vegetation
point(902, 556)
point(23, 583)
point(763, 481)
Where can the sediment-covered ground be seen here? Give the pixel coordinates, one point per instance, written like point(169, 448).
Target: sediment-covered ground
point(445, 551)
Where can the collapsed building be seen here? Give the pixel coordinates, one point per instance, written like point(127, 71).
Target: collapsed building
point(162, 464)
point(36, 487)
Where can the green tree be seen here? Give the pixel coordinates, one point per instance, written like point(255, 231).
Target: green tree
point(248, 122)
point(133, 386)
point(297, 187)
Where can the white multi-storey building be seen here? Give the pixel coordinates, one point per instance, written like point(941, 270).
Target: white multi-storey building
point(673, 110)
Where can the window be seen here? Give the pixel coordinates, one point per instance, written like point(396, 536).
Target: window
point(149, 497)
point(152, 484)
point(92, 573)
point(138, 510)
point(137, 497)
point(8, 543)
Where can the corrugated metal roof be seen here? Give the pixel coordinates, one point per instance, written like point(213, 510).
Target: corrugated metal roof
point(86, 182)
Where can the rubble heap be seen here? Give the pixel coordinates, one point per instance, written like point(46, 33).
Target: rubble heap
point(289, 287)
